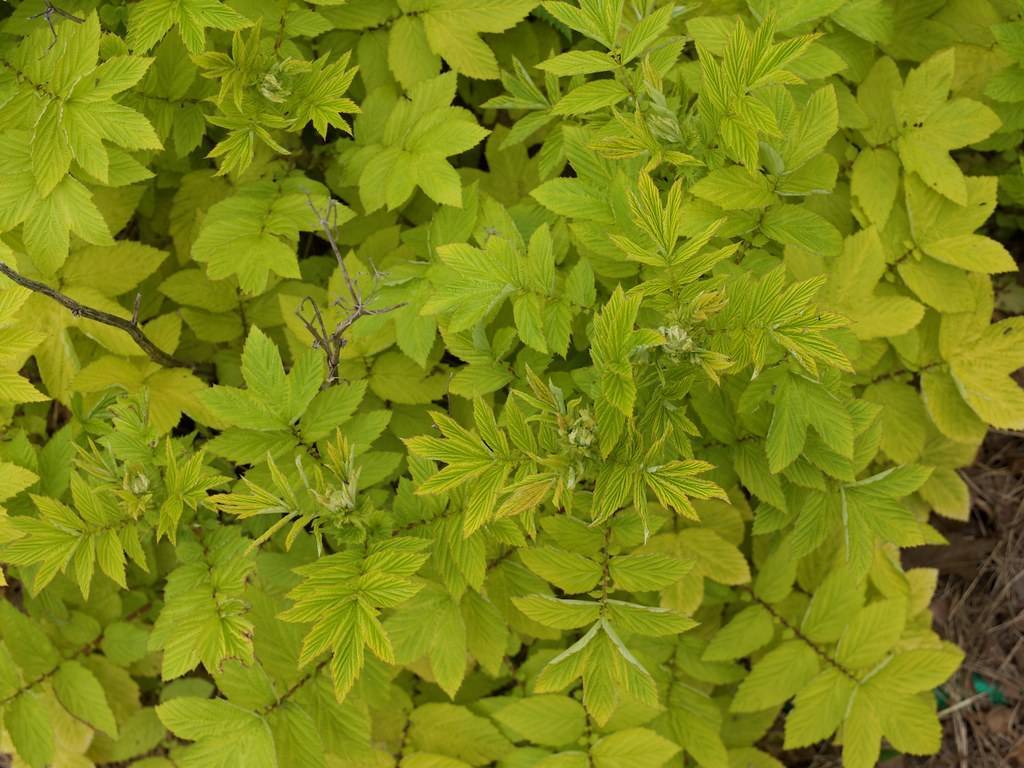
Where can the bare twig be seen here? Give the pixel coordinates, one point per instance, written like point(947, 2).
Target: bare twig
point(962, 704)
point(356, 304)
point(48, 13)
point(328, 221)
point(131, 327)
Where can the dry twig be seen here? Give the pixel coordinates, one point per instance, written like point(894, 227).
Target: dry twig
point(48, 13)
point(332, 342)
point(131, 327)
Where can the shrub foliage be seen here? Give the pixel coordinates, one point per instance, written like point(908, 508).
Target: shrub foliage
point(446, 383)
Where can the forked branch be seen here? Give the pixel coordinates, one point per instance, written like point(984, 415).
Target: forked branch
point(49, 12)
point(356, 304)
point(131, 327)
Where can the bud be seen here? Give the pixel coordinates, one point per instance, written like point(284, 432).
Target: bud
point(583, 431)
point(677, 341)
point(138, 483)
point(274, 87)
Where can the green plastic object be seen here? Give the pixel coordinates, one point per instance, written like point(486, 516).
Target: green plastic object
point(981, 685)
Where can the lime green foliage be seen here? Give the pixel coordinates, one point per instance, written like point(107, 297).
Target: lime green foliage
point(456, 383)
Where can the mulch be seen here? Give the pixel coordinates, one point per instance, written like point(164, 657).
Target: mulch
point(979, 605)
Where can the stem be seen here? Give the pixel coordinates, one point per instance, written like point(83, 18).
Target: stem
point(332, 342)
point(296, 687)
point(962, 704)
point(84, 650)
point(822, 653)
point(279, 38)
point(154, 352)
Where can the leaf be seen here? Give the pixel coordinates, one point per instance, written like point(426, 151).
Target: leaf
point(675, 484)
point(613, 341)
point(448, 652)
point(981, 372)
point(397, 378)
point(446, 729)
point(296, 736)
point(16, 389)
point(547, 720)
point(874, 182)
point(834, 601)
point(796, 225)
point(913, 726)
point(112, 270)
point(558, 613)
point(947, 408)
point(744, 633)
point(800, 405)
point(14, 480)
point(971, 252)
point(734, 188)
point(852, 290)
point(819, 708)
point(941, 286)
point(872, 633)
point(645, 620)
point(919, 669)
point(715, 558)
point(938, 127)
point(216, 724)
point(590, 97)
point(28, 724)
point(577, 63)
point(81, 694)
point(124, 643)
point(776, 677)
point(646, 31)
point(633, 748)
point(262, 367)
point(331, 408)
point(261, 221)
point(641, 573)
point(948, 494)
point(571, 198)
point(409, 53)
point(344, 628)
point(568, 571)
point(862, 734)
point(150, 20)
point(203, 619)
point(453, 27)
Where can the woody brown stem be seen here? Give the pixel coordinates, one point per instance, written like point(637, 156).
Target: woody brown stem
point(131, 327)
point(332, 342)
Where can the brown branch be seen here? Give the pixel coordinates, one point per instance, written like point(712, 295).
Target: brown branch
point(334, 341)
point(328, 225)
point(131, 327)
point(48, 13)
